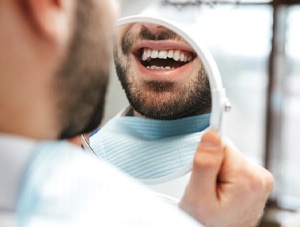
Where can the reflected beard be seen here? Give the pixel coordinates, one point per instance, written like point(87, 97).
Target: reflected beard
point(162, 100)
point(145, 34)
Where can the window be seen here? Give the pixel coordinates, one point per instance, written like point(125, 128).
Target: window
point(288, 158)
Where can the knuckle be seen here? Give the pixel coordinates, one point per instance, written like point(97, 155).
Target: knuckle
point(268, 180)
point(205, 161)
point(260, 179)
point(255, 182)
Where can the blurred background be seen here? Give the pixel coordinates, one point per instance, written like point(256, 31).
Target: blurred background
point(256, 46)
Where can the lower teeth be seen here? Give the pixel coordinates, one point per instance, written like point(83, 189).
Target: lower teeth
point(160, 67)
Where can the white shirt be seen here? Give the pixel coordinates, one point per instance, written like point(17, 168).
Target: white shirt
point(12, 165)
point(71, 188)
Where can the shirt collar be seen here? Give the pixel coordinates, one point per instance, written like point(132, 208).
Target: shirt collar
point(14, 155)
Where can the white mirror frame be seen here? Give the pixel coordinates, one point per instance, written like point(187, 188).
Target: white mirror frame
point(220, 103)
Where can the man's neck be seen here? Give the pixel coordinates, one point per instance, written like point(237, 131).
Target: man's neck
point(132, 113)
point(136, 114)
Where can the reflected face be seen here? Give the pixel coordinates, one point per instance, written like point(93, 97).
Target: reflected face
point(161, 74)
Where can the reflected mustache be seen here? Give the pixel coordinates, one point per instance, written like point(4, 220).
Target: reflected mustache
point(146, 34)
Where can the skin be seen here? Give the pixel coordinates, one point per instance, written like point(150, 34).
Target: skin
point(159, 94)
point(38, 97)
point(67, 50)
point(228, 178)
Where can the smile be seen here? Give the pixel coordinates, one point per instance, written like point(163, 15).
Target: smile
point(164, 59)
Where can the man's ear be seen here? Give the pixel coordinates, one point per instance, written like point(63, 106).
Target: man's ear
point(51, 18)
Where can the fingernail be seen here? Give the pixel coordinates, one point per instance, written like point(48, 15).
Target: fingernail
point(210, 140)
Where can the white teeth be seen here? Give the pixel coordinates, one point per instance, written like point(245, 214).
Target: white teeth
point(160, 67)
point(146, 54)
point(177, 55)
point(154, 54)
point(170, 53)
point(182, 57)
point(163, 54)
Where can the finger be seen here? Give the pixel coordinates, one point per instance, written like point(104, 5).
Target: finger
point(207, 163)
point(236, 168)
point(233, 162)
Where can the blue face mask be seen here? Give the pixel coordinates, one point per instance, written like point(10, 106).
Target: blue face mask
point(152, 151)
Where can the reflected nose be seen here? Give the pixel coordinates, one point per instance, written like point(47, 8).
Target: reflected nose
point(154, 28)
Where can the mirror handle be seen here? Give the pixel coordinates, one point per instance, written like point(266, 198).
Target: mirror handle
point(220, 107)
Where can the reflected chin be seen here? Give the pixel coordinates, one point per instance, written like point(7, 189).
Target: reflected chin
point(169, 100)
point(163, 99)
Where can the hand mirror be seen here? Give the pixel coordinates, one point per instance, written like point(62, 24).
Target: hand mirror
point(174, 86)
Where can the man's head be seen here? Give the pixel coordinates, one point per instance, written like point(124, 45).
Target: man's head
point(54, 65)
point(161, 74)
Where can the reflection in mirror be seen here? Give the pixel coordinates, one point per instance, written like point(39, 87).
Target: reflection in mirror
point(161, 74)
point(154, 139)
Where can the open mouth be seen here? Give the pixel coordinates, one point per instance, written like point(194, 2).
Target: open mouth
point(164, 59)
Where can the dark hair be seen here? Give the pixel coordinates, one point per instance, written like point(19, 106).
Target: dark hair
point(82, 79)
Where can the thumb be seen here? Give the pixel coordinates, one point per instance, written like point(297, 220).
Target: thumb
point(207, 164)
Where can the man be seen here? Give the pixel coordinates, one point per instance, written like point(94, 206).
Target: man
point(54, 63)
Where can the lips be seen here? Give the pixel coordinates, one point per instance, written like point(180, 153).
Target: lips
point(161, 59)
point(164, 59)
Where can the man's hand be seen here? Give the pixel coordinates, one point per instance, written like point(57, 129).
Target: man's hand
point(225, 189)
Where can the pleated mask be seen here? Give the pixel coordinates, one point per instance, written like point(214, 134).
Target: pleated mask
point(152, 151)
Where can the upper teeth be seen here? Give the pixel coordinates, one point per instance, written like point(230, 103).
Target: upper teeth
point(177, 55)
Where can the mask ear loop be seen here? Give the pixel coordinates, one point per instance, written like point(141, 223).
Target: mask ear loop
point(86, 145)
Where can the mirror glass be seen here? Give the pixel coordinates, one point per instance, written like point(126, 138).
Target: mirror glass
point(154, 139)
